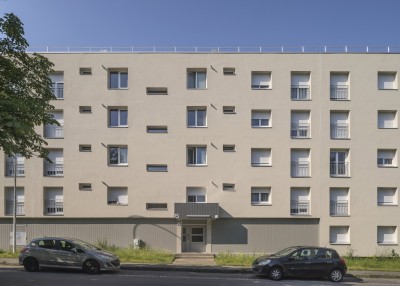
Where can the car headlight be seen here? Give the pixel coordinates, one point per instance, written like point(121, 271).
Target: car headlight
point(264, 262)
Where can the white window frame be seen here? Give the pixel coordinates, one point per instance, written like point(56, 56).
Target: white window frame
point(258, 116)
point(119, 149)
point(387, 196)
point(387, 235)
point(387, 81)
point(196, 117)
point(194, 161)
point(260, 80)
point(118, 110)
point(117, 196)
point(339, 234)
point(196, 195)
point(261, 157)
point(260, 191)
point(119, 73)
point(387, 158)
point(197, 82)
point(387, 119)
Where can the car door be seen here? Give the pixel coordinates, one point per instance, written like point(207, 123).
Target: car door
point(45, 252)
point(322, 262)
point(299, 262)
point(67, 253)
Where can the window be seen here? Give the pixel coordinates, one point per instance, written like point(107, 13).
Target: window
point(157, 129)
point(339, 235)
point(387, 80)
point(260, 195)
point(300, 89)
point(118, 117)
point(157, 90)
point(85, 109)
point(118, 155)
point(261, 80)
point(9, 201)
point(85, 186)
point(85, 71)
point(300, 163)
point(85, 148)
point(229, 109)
point(387, 158)
point(339, 86)
point(197, 155)
point(196, 116)
point(156, 206)
point(196, 195)
point(387, 196)
point(196, 79)
point(300, 201)
point(339, 202)
point(339, 163)
point(118, 79)
point(229, 148)
point(57, 84)
point(387, 234)
point(10, 167)
point(55, 131)
point(300, 124)
point(387, 119)
point(56, 168)
point(260, 157)
point(340, 124)
point(53, 201)
point(228, 187)
point(260, 118)
point(156, 168)
point(117, 196)
point(229, 71)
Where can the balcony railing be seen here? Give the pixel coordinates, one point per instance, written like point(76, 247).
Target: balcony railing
point(339, 208)
point(53, 131)
point(53, 169)
point(300, 207)
point(339, 92)
point(300, 92)
point(300, 169)
point(51, 207)
point(10, 208)
point(58, 90)
point(196, 210)
point(10, 169)
point(339, 130)
point(300, 130)
point(339, 170)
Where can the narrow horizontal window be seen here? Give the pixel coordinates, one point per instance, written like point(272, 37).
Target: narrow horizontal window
point(229, 71)
point(85, 109)
point(228, 187)
point(229, 109)
point(157, 168)
point(157, 129)
point(85, 148)
point(157, 90)
point(229, 148)
point(156, 206)
point(85, 186)
point(85, 71)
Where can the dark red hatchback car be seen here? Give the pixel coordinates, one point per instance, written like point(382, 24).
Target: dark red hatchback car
point(302, 261)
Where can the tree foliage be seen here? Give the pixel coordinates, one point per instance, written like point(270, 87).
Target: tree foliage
point(25, 92)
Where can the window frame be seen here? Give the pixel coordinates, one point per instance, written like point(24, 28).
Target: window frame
point(195, 154)
point(260, 191)
point(196, 116)
point(119, 74)
point(119, 148)
point(119, 116)
point(258, 113)
point(197, 81)
point(266, 78)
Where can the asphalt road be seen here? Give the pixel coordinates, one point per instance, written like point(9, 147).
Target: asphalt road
point(14, 276)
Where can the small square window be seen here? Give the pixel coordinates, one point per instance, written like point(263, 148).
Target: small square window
point(118, 117)
point(229, 148)
point(196, 117)
point(196, 78)
point(85, 148)
point(117, 196)
point(229, 71)
point(85, 71)
point(387, 80)
point(228, 187)
point(229, 109)
point(157, 91)
point(118, 79)
point(260, 80)
point(260, 195)
point(85, 186)
point(85, 109)
point(118, 155)
point(196, 155)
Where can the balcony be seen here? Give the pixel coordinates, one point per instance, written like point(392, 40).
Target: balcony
point(339, 92)
point(339, 208)
point(53, 170)
point(196, 210)
point(10, 169)
point(300, 130)
point(58, 90)
point(53, 131)
point(10, 208)
point(300, 92)
point(299, 207)
point(339, 131)
point(300, 169)
point(51, 207)
point(339, 169)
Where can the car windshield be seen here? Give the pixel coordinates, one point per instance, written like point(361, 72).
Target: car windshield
point(285, 251)
point(84, 244)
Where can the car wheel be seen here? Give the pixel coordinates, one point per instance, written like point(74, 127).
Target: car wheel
point(336, 275)
point(91, 267)
point(275, 273)
point(31, 264)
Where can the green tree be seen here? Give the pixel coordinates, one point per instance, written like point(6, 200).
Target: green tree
point(25, 92)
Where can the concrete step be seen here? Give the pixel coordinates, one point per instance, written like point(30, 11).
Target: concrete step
point(200, 259)
point(195, 255)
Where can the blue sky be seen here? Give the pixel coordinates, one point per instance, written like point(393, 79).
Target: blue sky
point(205, 23)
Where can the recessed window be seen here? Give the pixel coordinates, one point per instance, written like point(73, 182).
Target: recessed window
point(197, 155)
point(300, 86)
point(339, 163)
point(229, 148)
point(157, 129)
point(229, 109)
point(387, 235)
point(387, 119)
point(229, 71)
point(196, 117)
point(260, 195)
point(260, 157)
point(387, 158)
point(118, 117)
point(156, 206)
point(339, 202)
point(85, 71)
point(300, 127)
point(85, 109)
point(118, 155)
point(387, 80)
point(340, 124)
point(260, 118)
point(387, 196)
point(157, 91)
point(260, 80)
point(85, 148)
point(339, 86)
point(57, 84)
point(53, 201)
point(339, 235)
point(300, 201)
point(196, 194)
point(228, 187)
point(117, 196)
point(118, 79)
point(9, 201)
point(196, 79)
point(156, 168)
point(85, 186)
point(300, 161)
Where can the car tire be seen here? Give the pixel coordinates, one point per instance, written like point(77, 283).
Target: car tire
point(31, 264)
point(91, 267)
point(336, 275)
point(275, 273)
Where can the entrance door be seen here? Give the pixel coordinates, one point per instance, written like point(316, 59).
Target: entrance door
point(193, 238)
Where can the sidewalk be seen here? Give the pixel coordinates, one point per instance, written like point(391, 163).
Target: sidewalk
point(216, 269)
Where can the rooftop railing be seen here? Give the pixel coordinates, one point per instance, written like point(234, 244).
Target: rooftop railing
point(254, 49)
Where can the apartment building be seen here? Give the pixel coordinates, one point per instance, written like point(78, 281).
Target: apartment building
point(211, 152)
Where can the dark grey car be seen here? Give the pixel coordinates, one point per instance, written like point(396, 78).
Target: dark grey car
point(66, 253)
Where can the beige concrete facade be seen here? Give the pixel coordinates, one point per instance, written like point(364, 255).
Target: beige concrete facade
point(339, 110)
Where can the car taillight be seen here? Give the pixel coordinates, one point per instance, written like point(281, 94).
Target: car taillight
point(343, 261)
